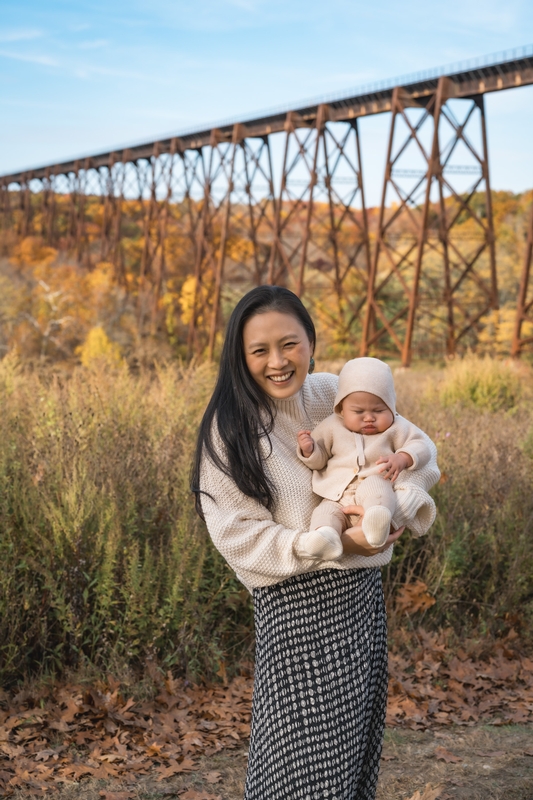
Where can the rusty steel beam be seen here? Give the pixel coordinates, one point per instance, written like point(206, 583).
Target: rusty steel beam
point(467, 289)
point(395, 265)
point(506, 71)
point(216, 192)
point(221, 258)
point(524, 302)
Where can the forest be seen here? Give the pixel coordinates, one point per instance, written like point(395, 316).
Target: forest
point(67, 294)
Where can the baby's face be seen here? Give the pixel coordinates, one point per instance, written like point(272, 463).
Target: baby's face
point(365, 413)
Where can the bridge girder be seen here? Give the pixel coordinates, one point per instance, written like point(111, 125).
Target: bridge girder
point(307, 226)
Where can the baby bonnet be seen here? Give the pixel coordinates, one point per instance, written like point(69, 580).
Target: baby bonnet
point(366, 375)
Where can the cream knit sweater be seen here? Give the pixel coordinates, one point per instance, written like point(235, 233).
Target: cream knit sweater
point(260, 546)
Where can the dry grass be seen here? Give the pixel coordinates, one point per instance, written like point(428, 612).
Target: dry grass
point(103, 561)
point(494, 766)
point(104, 565)
point(478, 558)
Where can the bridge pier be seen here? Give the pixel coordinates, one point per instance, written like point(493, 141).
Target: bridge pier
point(451, 280)
point(524, 302)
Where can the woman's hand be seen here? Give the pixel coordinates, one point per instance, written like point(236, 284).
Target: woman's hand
point(354, 540)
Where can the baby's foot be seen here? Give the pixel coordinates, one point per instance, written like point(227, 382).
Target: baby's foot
point(376, 525)
point(324, 543)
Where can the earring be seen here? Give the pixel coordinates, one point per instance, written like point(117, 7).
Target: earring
point(311, 366)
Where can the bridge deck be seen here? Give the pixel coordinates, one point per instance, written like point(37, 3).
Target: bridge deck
point(477, 79)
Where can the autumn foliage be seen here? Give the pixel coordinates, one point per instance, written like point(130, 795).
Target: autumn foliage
point(106, 572)
point(144, 299)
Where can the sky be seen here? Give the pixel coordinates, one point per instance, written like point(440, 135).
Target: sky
point(80, 77)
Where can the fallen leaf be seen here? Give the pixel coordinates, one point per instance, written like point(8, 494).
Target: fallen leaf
point(413, 597)
point(492, 754)
point(105, 736)
point(192, 794)
point(104, 772)
point(213, 777)
point(60, 725)
point(175, 768)
point(445, 755)
point(428, 793)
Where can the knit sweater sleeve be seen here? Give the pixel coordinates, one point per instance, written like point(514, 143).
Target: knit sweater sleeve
point(418, 482)
point(413, 441)
point(259, 550)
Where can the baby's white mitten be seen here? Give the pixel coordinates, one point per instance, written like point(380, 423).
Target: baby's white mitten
point(323, 543)
point(376, 525)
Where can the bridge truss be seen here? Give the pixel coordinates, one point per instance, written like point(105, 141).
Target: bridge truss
point(280, 199)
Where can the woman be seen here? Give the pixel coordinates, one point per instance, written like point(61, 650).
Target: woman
point(320, 685)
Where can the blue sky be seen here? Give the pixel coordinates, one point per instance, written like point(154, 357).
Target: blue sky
point(79, 77)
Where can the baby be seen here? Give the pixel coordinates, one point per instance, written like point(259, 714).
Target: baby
point(356, 454)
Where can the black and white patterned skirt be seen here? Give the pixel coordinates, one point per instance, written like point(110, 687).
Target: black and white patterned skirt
point(320, 688)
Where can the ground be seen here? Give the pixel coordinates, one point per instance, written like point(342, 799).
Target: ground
point(484, 762)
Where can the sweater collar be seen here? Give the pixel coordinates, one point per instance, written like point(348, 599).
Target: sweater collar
point(293, 407)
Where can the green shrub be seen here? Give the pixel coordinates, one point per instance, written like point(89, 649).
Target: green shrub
point(483, 383)
point(102, 558)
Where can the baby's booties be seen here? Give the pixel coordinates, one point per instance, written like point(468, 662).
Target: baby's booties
point(323, 543)
point(376, 525)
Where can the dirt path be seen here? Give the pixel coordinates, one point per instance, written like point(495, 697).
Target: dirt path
point(481, 763)
point(491, 764)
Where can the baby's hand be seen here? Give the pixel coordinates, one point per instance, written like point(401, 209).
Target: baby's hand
point(306, 443)
point(393, 465)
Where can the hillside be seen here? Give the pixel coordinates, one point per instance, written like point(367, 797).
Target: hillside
point(77, 293)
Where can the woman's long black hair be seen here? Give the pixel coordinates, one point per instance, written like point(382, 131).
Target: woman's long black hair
point(242, 410)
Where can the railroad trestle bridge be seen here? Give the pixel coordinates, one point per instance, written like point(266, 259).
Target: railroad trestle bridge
point(280, 199)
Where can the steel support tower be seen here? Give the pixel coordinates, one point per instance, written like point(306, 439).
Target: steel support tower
point(280, 199)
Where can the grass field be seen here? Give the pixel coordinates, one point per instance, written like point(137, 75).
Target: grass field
point(104, 565)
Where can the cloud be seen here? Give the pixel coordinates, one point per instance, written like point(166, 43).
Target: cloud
point(31, 58)
point(22, 35)
point(86, 71)
point(226, 15)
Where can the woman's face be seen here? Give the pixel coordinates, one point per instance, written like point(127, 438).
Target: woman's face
point(277, 352)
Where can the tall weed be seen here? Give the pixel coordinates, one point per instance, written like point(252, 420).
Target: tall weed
point(482, 383)
point(103, 561)
point(102, 558)
point(478, 557)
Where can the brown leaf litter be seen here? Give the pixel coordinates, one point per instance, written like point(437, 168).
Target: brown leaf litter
point(53, 737)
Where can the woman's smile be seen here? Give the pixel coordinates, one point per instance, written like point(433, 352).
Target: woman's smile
point(281, 378)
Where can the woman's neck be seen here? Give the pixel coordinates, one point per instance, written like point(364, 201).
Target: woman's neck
point(291, 409)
